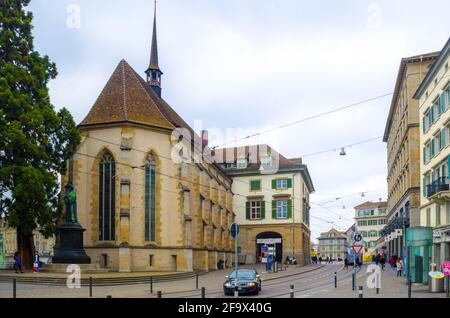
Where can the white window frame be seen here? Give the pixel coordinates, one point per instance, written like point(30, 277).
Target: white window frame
point(255, 210)
point(281, 182)
point(281, 209)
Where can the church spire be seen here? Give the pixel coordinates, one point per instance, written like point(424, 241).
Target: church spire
point(154, 72)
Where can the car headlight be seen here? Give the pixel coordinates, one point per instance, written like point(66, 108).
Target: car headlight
point(228, 285)
point(251, 284)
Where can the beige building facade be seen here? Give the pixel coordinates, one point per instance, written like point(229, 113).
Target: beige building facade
point(370, 219)
point(402, 135)
point(434, 102)
point(271, 203)
point(333, 245)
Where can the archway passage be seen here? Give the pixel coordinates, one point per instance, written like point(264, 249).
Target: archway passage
point(270, 239)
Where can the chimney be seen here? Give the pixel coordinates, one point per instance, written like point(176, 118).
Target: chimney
point(205, 139)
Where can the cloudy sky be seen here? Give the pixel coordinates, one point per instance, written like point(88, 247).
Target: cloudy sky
point(257, 64)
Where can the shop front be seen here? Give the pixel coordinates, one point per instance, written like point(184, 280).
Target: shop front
point(269, 242)
point(441, 245)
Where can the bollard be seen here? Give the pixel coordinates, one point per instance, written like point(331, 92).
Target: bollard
point(203, 292)
point(151, 284)
point(196, 281)
point(335, 279)
point(360, 292)
point(409, 287)
point(353, 281)
point(14, 288)
point(292, 291)
point(159, 294)
point(90, 287)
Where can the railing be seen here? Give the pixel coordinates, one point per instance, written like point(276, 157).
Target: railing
point(437, 186)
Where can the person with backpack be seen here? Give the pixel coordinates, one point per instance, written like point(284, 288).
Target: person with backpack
point(399, 267)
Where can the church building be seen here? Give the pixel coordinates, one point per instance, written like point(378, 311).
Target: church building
point(143, 211)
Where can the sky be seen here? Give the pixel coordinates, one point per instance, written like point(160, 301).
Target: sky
point(247, 66)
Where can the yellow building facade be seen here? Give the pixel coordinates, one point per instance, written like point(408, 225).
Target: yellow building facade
point(434, 102)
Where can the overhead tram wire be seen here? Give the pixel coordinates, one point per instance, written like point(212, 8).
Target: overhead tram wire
point(348, 146)
point(167, 158)
point(179, 179)
point(238, 180)
point(304, 120)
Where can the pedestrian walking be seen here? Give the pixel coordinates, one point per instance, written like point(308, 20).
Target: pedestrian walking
point(399, 267)
point(17, 263)
point(382, 261)
point(346, 263)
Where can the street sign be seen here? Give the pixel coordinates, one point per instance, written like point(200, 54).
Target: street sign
point(357, 237)
point(234, 230)
point(357, 249)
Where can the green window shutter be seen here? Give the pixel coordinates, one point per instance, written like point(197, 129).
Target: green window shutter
point(424, 155)
point(424, 124)
point(274, 209)
point(247, 212)
point(263, 210)
point(289, 183)
point(289, 209)
point(274, 184)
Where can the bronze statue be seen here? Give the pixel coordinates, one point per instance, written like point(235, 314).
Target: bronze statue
point(70, 198)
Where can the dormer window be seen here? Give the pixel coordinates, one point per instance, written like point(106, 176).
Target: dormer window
point(242, 163)
point(266, 161)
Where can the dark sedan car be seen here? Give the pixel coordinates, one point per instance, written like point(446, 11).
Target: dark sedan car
point(248, 280)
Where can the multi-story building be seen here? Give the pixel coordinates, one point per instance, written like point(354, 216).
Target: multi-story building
point(8, 244)
point(146, 204)
point(333, 244)
point(434, 103)
point(402, 135)
point(271, 202)
point(370, 219)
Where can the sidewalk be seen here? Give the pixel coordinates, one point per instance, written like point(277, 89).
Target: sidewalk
point(391, 287)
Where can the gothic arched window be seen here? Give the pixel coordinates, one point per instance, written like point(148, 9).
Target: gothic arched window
point(107, 196)
point(150, 199)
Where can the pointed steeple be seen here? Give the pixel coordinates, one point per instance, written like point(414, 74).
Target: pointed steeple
point(154, 72)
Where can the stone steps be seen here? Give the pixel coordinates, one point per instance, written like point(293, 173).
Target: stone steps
point(104, 281)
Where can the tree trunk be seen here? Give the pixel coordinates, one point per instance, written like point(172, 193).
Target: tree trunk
point(26, 250)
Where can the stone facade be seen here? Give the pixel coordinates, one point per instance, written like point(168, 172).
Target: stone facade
point(185, 238)
point(402, 136)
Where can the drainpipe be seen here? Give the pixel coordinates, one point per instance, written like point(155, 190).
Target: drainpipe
point(293, 214)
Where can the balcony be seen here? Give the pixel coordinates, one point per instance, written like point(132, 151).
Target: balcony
point(440, 185)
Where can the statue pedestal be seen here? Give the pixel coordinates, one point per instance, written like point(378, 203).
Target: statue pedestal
point(71, 250)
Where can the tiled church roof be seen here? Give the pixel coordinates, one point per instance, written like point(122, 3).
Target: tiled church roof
point(128, 98)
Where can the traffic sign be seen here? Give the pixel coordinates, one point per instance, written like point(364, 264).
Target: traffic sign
point(357, 249)
point(357, 237)
point(234, 230)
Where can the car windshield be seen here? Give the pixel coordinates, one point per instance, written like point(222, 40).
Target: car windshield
point(243, 275)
